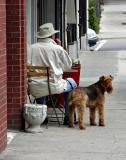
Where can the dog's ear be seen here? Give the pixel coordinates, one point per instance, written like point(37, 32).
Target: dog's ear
point(102, 78)
point(111, 77)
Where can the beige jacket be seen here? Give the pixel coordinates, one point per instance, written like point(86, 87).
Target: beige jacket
point(48, 53)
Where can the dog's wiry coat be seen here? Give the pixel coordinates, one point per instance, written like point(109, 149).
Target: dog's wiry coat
point(77, 99)
point(93, 97)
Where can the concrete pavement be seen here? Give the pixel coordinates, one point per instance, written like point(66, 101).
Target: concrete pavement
point(94, 143)
point(113, 20)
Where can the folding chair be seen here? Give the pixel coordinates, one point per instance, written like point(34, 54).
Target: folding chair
point(32, 71)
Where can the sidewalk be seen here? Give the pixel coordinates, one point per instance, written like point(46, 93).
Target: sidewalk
point(94, 143)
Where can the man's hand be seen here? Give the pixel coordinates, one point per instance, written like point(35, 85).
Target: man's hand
point(58, 41)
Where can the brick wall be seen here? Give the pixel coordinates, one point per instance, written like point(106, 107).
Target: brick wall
point(16, 61)
point(3, 87)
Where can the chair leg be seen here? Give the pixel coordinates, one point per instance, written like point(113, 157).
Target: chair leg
point(54, 108)
point(31, 101)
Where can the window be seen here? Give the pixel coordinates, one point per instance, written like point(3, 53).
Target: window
point(71, 22)
point(82, 17)
point(31, 20)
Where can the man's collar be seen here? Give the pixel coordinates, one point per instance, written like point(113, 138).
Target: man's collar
point(47, 40)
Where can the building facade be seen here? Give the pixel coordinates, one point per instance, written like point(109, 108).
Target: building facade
point(12, 66)
point(68, 16)
point(19, 22)
point(3, 79)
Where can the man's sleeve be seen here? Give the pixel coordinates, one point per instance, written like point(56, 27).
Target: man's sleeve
point(66, 60)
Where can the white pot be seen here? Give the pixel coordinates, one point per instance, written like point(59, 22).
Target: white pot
point(34, 115)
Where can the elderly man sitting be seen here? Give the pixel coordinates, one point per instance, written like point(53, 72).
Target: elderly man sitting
point(48, 53)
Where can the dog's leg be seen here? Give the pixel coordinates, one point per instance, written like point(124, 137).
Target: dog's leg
point(101, 115)
point(71, 116)
point(81, 117)
point(92, 116)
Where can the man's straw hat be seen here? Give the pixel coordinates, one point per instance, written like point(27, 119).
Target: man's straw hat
point(46, 30)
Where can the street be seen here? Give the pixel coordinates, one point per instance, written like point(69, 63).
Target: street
point(110, 45)
point(112, 35)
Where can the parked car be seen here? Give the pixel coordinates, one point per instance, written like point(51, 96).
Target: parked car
point(92, 37)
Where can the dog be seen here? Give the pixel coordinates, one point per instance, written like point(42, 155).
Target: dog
point(93, 97)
